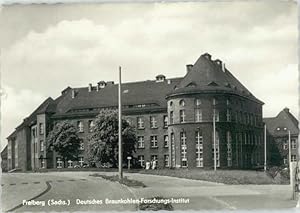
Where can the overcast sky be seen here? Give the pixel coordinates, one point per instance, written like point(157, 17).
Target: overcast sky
point(46, 48)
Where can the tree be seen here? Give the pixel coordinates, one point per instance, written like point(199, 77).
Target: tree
point(103, 142)
point(64, 140)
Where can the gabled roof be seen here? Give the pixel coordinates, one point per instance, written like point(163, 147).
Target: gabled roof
point(282, 123)
point(134, 93)
point(206, 75)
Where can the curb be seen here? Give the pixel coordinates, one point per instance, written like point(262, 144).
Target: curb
point(33, 198)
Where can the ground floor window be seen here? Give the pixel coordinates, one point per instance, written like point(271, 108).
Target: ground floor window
point(183, 149)
point(70, 164)
point(199, 149)
point(141, 160)
point(59, 163)
point(81, 161)
point(293, 158)
point(154, 159)
point(43, 163)
point(167, 163)
point(217, 153)
point(285, 161)
point(229, 149)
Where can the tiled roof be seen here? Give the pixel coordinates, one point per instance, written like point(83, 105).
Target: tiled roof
point(136, 93)
point(208, 75)
point(279, 125)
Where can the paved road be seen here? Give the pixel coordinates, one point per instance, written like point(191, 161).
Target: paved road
point(69, 186)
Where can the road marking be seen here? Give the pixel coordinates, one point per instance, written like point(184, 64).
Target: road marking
point(72, 180)
point(83, 179)
point(25, 183)
point(12, 184)
point(60, 181)
point(36, 182)
point(222, 202)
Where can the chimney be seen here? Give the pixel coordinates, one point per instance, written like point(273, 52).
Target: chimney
point(189, 67)
point(101, 85)
point(73, 93)
point(208, 56)
point(110, 83)
point(90, 87)
point(223, 67)
point(286, 109)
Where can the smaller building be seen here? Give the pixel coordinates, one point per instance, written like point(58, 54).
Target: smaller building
point(4, 159)
point(278, 129)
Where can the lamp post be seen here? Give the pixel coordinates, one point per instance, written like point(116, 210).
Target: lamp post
point(120, 128)
point(214, 136)
point(265, 147)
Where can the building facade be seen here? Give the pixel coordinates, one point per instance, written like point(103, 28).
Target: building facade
point(278, 130)
point(174, 119)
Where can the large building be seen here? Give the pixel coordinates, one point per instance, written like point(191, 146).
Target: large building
point(278, 130)
point(173, 118)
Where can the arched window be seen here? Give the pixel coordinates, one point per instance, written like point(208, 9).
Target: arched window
point(171, 103)
point(197, 102)
point(182, 103)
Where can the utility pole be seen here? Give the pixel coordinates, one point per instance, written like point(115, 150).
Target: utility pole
point(214, 130)
point(265, 147)
point(120, 127)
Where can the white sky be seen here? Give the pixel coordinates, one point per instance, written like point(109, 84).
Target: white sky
point(46, 48)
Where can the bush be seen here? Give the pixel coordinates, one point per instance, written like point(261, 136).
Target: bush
point(156, 206)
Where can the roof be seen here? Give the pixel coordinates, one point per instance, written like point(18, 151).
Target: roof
point(282, 123)
point(208, 75)
point(135, 94)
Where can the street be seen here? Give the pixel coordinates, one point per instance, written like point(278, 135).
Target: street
point(59, 191)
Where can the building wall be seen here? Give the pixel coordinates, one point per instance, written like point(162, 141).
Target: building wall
point(245, 127)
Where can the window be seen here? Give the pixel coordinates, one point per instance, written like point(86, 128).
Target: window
point(215, 102)
point(59, 163)
point(198, 102)
point(16, 155)
point(141, 160)
point(285, 161)
point(198, 115)
point(173, 149)
point(153, 140)
point(154, 158)
point(140, 123)
point(141, 142)
point(80, 126)
point(217, 157)
point(41, 127)
point(229, 149)
point(166, 141)
point(91, 125)
point(183, 149)
point(182, 116)
point(41, 145)
point(285, 145)
point(228, 115)
point(217, 115)
point(182, 103)
point(293, 158)
point(293, 144)
point(165, 121)
point(227, 102)
point(43, 163)
point(171, 103)
point(171, 117)
point(166, 160)
point(153, 122)
point(70, 164)
point(81, 161)
point(199, 149)
point(81, 147)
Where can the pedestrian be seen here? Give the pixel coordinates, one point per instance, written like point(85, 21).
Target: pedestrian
point(148, 165)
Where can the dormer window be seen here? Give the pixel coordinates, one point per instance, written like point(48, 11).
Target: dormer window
point(198, 102)
point(160, 78)
point(101, 84)
point(182, 103)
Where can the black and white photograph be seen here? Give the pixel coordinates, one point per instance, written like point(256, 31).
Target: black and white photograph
point(149, 106)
